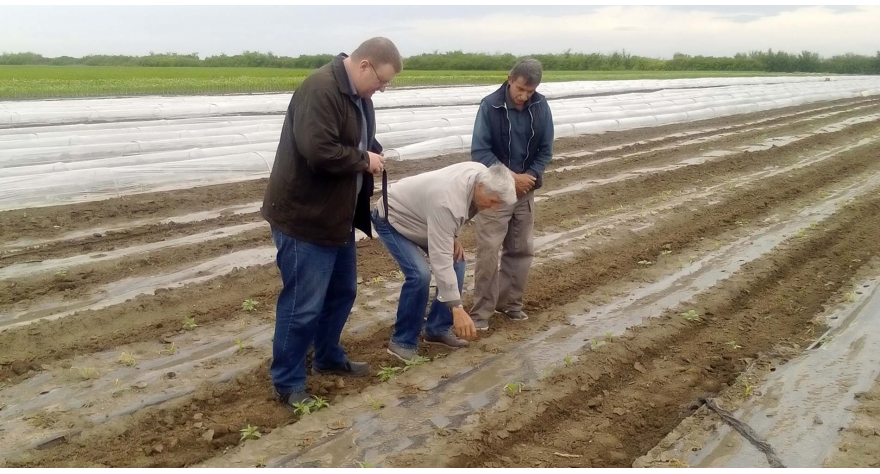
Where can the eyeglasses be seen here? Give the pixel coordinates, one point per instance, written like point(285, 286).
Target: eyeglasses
point(381, 82)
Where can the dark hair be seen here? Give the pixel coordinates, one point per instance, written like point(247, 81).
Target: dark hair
point(379, 51)
point(530, 69)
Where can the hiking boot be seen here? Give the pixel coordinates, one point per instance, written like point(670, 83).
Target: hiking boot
point(449, 340)
point(401, 352)
point(349, 369)
point(289, 399)
point(515, 315)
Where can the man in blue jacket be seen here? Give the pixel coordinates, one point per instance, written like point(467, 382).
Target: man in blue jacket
point(514, 127)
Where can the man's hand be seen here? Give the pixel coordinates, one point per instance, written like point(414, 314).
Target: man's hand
point(524, 183)
point(377, 163)
point(457, 251)
point(463, 325)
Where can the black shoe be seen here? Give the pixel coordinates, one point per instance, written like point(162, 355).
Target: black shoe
point(449, 340)
point(350, 369)
point(289, 399)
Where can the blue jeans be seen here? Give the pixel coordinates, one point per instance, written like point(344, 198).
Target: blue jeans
point(416, 288)
point(320, 286)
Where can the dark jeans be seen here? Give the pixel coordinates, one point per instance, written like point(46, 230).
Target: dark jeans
point(416, 289)
point(320, 286)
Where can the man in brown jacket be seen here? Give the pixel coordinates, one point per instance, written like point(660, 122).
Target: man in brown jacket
point(318, 193)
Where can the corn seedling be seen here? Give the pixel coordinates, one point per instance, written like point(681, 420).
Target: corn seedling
point(512, 389)
point(400, 275)
point(189, 323)
point(595, 344)
point(748, 391)
point(250, 433)
point(666, 252)
point(249, 305)
point(320, 403)
point(386, 373)
point(416, 361)
point(364, 464)
point(733, 345)
point(127, 360)
point(691, 316)
point(680, 264)
point(169, 350)
point(691, 259)
point(374, 404)
point(850, 297)
point(567, 360)
point(645, 263)
point(261, 462)
point(240, 345)
point(62, 273)
point(609, 337)
point(801, 233)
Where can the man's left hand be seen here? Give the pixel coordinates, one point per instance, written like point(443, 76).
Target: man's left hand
point(458, 251)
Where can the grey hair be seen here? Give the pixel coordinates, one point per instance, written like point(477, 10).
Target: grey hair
point(498, 181)
point(530, 69)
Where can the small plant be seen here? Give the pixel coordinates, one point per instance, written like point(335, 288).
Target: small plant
point(748, 391)
point(303, 408)
point(189, 323)
point(261, 462)
point(374, 404)
point(364, 464)
point(813, 225)
point(680, 264)
point(609, 337)
point(386, 373)
point(127, 360)
point(400, 275)
point(850, 297)
point(416, 361)
point(320, 403)
point(691, 260)
point(250, 433)
point(378, 279)
point(645, 263)
point(691, 316)
point(800, 233)
point(512, 389)
point(666, 252)
point(742, 223)
point(717, 245)
point(249, 305)
point(62, 273)
point(169, 350)
point(567, 360)
point(733, 345)
point(240, 345)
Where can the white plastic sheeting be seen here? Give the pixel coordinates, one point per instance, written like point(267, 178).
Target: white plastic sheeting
point(54, 164)
point(139, 108)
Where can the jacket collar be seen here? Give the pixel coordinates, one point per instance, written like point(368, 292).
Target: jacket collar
point(341, 75)
point(498, 98)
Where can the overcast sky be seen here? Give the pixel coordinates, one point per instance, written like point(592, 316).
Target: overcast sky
point(655, 31)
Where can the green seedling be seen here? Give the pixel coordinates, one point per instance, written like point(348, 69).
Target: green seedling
point(250, 433)
point(303, 408)
point(850, 297)
point(86, 373)
point(62, 273)
point(400, 275)
point(691, 259)
point(364, 464)
point(261, 462)
point(800, 233)
point(813, 225)
point(733, 345)
point(127, 360)
point(595, 344)
point(680, 264)
point(666, 252)
point(386, 373)
point(645, 262)
point(189, 323)
point(249, 305)
point(378, 280)
point(717, 245)
point(512, 389)
point(748, 390)
point(416, 361)
point(567, 360)
point(240, 345)
point(374, 404)
point(691, 316)
point(320, 403)
point(169, 351)
point(742, 223)
point(609, 337)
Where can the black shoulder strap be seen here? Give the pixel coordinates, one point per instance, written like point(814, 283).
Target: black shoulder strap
point(385, 192)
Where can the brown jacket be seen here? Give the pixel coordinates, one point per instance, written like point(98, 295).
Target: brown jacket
point(312, 187)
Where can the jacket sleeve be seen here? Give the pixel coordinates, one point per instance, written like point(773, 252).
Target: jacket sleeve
point(442, 227)
point(316, 133)
point(481, 142)
point(545, 147)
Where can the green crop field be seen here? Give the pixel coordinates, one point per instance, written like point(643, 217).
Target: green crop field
point(38, 82)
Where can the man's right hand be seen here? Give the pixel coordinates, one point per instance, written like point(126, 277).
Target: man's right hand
point(463, 325)
point(377, 163)
point(523, 183)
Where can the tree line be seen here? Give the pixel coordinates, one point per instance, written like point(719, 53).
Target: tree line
point(757, 61)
